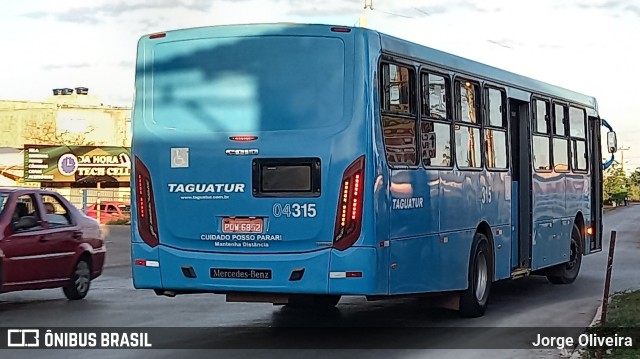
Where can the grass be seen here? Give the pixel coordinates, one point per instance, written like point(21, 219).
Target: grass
point(623, 318)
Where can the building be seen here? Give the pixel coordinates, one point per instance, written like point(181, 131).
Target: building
point(70, 120)
point(64, 118)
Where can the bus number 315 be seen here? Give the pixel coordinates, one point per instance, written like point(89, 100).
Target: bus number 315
point(295, 210)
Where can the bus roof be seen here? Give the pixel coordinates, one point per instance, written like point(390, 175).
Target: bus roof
point(405, 48)
point(459, 64)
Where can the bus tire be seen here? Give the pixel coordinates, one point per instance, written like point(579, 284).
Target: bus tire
point(567, 273)
point(473, 301)
point(80, 280)
point(306, 301)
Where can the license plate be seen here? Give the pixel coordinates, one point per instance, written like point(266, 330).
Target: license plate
point(242, 225)
point(228, 273)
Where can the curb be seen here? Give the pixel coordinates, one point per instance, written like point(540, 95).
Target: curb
point(116, 265)
point(577, 352)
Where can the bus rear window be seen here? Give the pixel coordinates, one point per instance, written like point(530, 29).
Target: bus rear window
point(248, 84)
point(286, 178)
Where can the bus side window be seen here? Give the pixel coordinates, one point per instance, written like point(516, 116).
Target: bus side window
point(495, 132)
point(397, 87)
point(577, 133)
point(467, 130)
point(541, 122)
point(541, 146)
point(560, 142)
point(468, 153)
point(398, 107)
point(468, 99)
point(435, 124)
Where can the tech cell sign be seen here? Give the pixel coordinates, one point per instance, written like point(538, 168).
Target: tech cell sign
point(76, 163)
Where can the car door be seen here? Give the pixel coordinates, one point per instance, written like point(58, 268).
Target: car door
point(112, 213)
point(25, 252)
point(63, 236)
point(92, 211)
point(101, 213)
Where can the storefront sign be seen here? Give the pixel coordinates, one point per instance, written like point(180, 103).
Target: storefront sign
point(76, 163)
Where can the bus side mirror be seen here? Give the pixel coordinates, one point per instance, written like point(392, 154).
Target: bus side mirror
point(612, 142)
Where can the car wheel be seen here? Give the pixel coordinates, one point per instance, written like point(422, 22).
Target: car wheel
point(80, 282)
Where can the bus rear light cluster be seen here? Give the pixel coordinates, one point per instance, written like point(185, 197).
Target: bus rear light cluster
point(349, 215)
point(145, 203)
point(243, 138)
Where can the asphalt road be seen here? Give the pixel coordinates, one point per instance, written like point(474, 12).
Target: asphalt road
point(528, 302)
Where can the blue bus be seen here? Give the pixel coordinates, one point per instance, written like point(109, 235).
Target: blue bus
point(296, 164)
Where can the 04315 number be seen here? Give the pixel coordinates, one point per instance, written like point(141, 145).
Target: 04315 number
point(295, 210)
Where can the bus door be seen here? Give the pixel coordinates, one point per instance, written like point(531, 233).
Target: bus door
point(596, 184)
point(521, 186)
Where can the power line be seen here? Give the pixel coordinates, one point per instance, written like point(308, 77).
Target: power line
point(390, 13)
point(422, 11)
point(368, 5)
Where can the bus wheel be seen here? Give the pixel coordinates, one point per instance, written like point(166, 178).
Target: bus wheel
point(304, 301)
point(568, 272)
point(473, 301)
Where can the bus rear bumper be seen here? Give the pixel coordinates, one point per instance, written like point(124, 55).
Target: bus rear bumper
point(179, 271)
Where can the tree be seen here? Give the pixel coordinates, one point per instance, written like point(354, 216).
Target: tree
point(635, 176)
point(46, 133)
point(633, 184)
point(614, 183)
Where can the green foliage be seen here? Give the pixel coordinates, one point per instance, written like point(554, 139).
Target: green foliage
point(633, 185)
point(617, 186)
point(623, 318)
point(614, 184)
point(121, 221)
point(635, 176)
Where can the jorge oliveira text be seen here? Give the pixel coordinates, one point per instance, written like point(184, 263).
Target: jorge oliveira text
point(585, 340)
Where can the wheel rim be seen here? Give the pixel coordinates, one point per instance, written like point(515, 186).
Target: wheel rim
point(482, 276)
point(83, 277)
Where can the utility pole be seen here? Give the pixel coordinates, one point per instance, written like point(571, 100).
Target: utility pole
point(368, 6)
point(621, 150)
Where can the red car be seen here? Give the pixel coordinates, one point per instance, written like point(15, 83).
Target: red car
point(110, 211)
point(46, 242)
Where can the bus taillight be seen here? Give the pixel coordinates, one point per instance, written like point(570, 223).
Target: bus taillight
point(349, 215)
point(147, 218)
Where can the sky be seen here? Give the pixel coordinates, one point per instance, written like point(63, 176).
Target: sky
point(589, 46)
